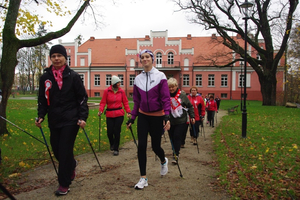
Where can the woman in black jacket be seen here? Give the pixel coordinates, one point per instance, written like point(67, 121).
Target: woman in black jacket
point(63, 97)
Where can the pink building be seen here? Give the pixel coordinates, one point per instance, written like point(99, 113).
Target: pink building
point(188, 59)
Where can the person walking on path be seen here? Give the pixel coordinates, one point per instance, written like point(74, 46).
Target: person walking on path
point(181, 107)
point(114, 97)
point(63, 97)
point(218, 101)
point(211, 106)
point(152, 107)
point(199, 110)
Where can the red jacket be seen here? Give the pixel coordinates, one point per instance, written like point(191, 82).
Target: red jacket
point(198, 104)
point(114, 102)
point(211, 105)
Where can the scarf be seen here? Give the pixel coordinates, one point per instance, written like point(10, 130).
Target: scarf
point(58, 75)
point(176, 108)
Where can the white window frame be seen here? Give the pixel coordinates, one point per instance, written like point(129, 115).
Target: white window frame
point(186, 80)
point(224, 80)
point(198, 80)
point(108, 80)
point(211, 80)
point(97, 80)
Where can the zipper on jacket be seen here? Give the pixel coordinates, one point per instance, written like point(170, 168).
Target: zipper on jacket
point(147, 91)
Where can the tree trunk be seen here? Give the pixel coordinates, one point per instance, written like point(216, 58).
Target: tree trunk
point(268, 89)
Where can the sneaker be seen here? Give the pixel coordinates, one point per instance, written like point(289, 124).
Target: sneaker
point(195, 141)
point(174, 161)
point(192, 139)
point(116, 153)
point(143, 182)
point(62, 191)
point(74, 171)
point(112, 148)
point(164, 168)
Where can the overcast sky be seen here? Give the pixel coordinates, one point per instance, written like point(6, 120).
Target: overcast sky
point(128, 19)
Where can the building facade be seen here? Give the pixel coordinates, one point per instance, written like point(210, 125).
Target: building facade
point(191, 60)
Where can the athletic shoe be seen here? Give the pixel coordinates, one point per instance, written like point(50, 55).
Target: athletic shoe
point(174, 161)
point(74, 172)
point(164, 168)
point(116, 153)
point(143, 182)
point(112, 148)
point(192, 139)
point(195, 141)
point(62, 191)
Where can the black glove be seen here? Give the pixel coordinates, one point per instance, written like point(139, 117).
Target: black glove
point(130, 121)
point(166, 118)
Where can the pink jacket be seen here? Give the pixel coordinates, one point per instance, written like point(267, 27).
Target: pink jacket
point(114, 102)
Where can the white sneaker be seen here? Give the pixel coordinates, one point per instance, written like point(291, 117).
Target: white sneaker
point(143, 182)
point(164, 168)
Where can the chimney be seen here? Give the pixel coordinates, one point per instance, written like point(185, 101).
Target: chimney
point(189, 36)
point(92, 38)
point(147, 37)
point(118, 38)
point(213, 36)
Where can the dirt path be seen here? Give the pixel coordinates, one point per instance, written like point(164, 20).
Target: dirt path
point(121, 173)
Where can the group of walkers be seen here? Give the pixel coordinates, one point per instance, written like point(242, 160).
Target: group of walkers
point(63, 98)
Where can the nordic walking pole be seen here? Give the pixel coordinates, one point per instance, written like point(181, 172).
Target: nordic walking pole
point(21, 129)
point(48, 148)
point(193, 127)
point(92, 148)
point(99, 131)
point(5, 191)
point(176, 158)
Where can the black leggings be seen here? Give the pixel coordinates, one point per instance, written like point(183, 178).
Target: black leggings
point(176, 133)
point(114, 131)
point(62, 142)
point(153, 125)
point(196, 125)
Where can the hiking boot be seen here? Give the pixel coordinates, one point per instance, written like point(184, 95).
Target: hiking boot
point(112, 148)
point(143, 182)
point(62, 191)
point(195, 141)
point(192, 139)
point(164, 167)
point(74, 171)
point(116, 153)
point(174, 161)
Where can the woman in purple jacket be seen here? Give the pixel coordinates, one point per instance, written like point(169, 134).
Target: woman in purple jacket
point(152, 106)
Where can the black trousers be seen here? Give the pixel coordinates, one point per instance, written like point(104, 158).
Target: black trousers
point(184, 134)
point(153, 125)
point(176, 134)
point(196, 126)
point(211, 117)
point(114, 131)
point(62, 142)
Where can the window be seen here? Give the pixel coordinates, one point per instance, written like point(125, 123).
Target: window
point(224, 95)
point(199, 80)
point(121, 77)
point(158, 59)
point(186, 62)
point(69, 60)
point(82, 78)
point(224, 80)
point(97, 94)
point(211, 80)
point(82, 61)
point(108, 80)
point(132, 62)
point(131, 79)
point(186, 80)
point(170, 58)
point(241, 80)
point(97, 79)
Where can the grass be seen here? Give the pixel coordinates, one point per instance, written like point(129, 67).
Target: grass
point(265, 165)
point(21, 152)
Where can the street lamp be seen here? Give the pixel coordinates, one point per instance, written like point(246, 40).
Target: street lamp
point(245, 7)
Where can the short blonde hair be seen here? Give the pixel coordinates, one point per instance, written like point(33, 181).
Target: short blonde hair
point(172, 82)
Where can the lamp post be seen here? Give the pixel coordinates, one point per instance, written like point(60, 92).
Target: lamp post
point(245, 7)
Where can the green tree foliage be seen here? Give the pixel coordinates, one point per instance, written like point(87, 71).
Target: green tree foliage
point(226, 18)
point(19, 21)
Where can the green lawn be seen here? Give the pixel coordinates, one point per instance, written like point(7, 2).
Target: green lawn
point(265, 165)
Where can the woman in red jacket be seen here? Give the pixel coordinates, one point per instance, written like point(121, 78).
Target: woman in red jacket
point(199, 110)
point(211, 107)
point(114, 97)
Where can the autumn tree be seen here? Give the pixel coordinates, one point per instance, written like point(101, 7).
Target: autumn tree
point(15, 21)
point(226, 19)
